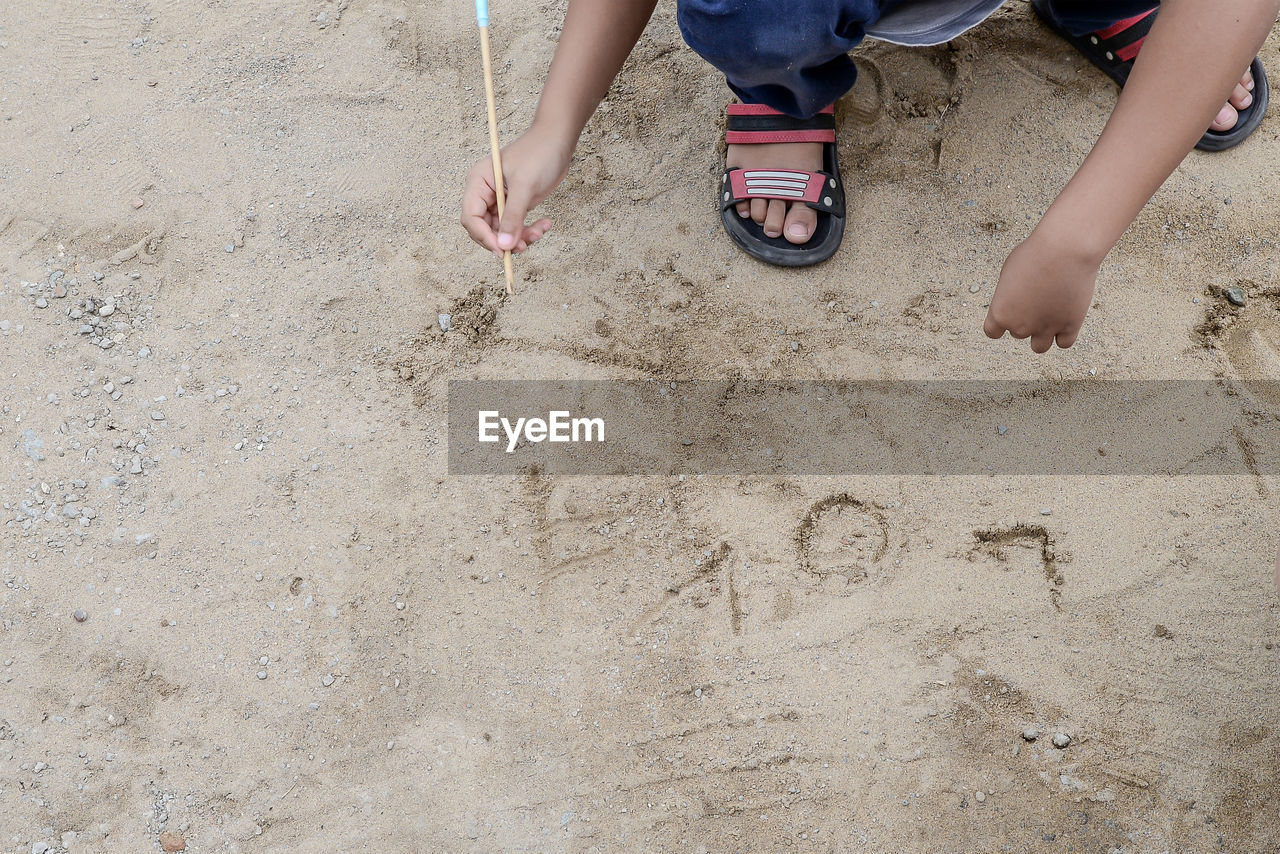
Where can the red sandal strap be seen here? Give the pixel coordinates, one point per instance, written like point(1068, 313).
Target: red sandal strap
point(818, 189)
point(1123, 40)
point(1120, 26)
point(762, 110)
point(1127, 53)
point(737, 137)
point(755, 124)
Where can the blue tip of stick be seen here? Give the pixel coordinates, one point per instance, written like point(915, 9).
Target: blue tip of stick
point(482, 12)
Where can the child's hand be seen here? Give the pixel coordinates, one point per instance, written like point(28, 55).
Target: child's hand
point(1044, 293)
point(533, 166)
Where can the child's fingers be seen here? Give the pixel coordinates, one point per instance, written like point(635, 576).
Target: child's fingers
point(480, 230)
point(512, 225)
point(478, 198)
point(532, 234)
point(1066, 339)
point(1041, 342)
point(992, 328)
point(535, 232)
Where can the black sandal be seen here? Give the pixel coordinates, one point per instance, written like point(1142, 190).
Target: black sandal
point(823, 191)
point(1114, 49)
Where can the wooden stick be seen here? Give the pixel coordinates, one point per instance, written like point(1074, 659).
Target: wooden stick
point(493, 146)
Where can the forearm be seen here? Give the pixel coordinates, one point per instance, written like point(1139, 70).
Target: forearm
point(1188, 65)
point(595, 41)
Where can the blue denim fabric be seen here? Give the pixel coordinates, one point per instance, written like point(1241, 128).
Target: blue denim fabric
point(793, 54)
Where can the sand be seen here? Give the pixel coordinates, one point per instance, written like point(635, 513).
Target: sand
point(718, 664)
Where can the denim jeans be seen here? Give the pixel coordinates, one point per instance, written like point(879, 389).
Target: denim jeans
point(793, 55)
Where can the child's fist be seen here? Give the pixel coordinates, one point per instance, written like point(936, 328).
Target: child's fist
point(532, 167)
point(1043, 294)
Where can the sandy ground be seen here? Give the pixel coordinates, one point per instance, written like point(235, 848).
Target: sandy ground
point(302, 634)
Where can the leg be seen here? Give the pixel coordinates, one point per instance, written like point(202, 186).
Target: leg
point(1098, 17)
point(791, 56)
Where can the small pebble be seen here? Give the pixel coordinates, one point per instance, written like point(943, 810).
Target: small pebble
point(327, 680)
point(42, 303)
point(1001, 429)
point(262, 674)
point(445, 321)
point(980, 797)
point(107, 310)
point(157, 415)
point(80, 615)
point(973, 289)
point(1235, 296)
point(1030, 734)
point(172, 842)
point(1046, 511)
point(137, 203)
point(230, 247)
point(1061, 740)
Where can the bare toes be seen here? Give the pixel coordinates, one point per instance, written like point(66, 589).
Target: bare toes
point(759, 208)
point(801, 220)
point(1226, 118)
point(773, 222)
point(1240, 98)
